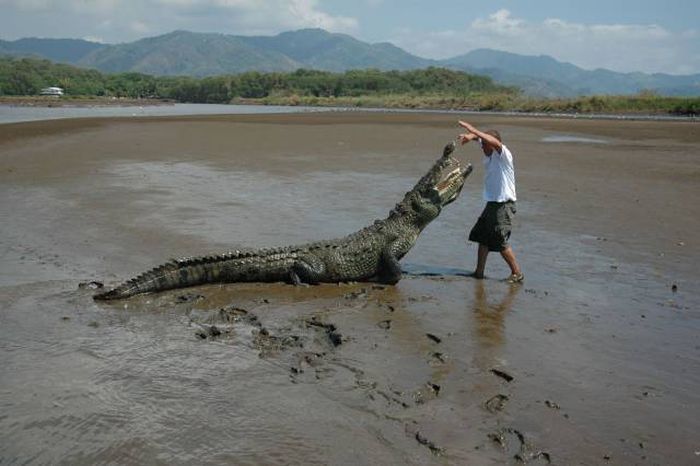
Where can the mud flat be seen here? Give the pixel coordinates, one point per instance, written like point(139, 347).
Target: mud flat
point(594, 360)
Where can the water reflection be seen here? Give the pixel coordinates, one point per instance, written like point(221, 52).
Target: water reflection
point(489, 312)
point(490, 317)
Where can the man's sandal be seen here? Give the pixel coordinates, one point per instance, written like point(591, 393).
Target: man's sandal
point(515, 278)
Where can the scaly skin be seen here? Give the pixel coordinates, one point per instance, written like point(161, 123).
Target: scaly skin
point(372, 253)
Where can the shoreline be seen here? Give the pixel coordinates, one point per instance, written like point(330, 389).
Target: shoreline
point(263, 108)
point(525, 114)
point(444, 105)
point(79, 102)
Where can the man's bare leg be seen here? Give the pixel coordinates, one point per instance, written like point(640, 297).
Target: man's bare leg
point(509, 257)
point(481, 261)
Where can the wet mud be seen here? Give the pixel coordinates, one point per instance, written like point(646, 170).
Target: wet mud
point(595, 359)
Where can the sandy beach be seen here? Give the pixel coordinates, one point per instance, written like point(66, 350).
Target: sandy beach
point(595, 359)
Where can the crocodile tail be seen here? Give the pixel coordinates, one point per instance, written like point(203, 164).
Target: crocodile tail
point(181, 273)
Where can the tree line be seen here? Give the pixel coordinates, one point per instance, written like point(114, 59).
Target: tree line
point(27, 76)
point(426, 88)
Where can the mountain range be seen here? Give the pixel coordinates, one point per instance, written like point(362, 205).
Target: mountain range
point(208, 54)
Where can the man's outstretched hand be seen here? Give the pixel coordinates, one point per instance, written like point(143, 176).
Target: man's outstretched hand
point(466, 137)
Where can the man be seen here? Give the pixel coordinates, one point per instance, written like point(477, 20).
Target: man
point(492, 230)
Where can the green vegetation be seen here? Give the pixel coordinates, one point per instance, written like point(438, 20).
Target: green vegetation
point(323, 84)
point(430, 88)
point(638, 104)
point(27, 76)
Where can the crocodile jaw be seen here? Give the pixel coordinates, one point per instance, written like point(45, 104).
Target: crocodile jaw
point(451, 184)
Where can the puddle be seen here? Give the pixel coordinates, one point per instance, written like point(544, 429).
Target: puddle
point(568, 138)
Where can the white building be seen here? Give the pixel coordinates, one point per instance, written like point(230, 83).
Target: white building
point(57, 91)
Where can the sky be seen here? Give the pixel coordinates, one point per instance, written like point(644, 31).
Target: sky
point(620, 35)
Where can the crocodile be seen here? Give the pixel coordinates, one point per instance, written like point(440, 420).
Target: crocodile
point(370, 254)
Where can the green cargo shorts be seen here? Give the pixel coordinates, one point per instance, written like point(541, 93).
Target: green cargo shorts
point(494, 225)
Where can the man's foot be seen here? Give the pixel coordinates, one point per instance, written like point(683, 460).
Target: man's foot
point(515, 278)
point(478, 276)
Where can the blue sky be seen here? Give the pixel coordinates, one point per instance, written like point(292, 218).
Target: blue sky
point(621, 35)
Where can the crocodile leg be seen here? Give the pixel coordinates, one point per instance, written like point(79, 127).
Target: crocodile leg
point(389, 271)
point(307, 269)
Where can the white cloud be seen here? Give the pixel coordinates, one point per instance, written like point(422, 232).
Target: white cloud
point(619, 47)
point(97, 39)
point(500, 21)
point(210, 3)
point(306, 12)
point(264, 15)
point(125, 20)
point(26, 4)
point(80, 6)
point(139, 27)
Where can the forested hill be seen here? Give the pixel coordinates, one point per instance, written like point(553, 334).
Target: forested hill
point(26, 76)
point(58, 50)
point(545, 76)
point(210, 54)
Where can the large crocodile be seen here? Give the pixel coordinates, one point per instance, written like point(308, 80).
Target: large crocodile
point(369, 254)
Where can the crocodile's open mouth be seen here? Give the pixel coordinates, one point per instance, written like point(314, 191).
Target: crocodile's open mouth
point(451, 182)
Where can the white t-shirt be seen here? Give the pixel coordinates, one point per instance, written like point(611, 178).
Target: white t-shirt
point(499, 178)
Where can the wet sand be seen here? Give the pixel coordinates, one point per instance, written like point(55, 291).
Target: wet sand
point(602, 341)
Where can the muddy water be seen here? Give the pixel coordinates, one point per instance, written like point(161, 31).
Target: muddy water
point(594, 359)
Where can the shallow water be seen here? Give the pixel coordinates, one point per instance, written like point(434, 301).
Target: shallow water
point(566, 138)
point(16, 114)
point(605, 356)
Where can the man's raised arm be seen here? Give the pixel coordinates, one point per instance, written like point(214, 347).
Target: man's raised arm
point(493, 141)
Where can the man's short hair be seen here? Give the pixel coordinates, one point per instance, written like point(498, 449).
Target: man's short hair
point(494, 133)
